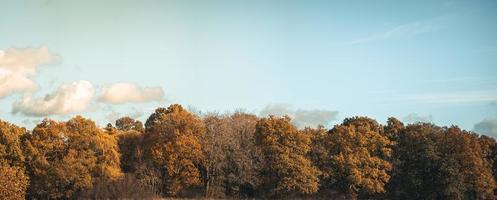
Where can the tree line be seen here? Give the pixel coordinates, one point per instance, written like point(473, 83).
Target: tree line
point(177, 153)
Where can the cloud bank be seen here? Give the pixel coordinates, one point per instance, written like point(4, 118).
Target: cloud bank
point(18, 65)
point(68, 98)
point(487, 127)
point(300, 117)
point(125, 92)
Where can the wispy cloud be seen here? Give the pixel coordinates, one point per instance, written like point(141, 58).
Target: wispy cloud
point(452, 97)
point(414, 118)
point(300, 117)
point(468, 79)
point(405, 30)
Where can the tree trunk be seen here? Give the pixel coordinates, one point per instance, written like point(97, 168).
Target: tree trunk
point(207, 182)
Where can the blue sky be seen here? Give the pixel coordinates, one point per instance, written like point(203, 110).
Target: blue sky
point(415, 60)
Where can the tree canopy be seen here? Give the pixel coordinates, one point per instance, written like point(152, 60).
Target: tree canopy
point(178, 153)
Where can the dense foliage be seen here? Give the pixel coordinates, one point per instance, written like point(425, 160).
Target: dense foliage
point(180, 154)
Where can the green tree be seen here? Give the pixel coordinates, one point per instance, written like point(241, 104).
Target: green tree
point(286, 169)
point(172, 144)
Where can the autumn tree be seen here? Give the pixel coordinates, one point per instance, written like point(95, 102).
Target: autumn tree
point(216, 144)
point(466, 160)
point(64, 159)
point(130, 134)
point(128, 124)
point(489, 150)
point(13, 180)
point(393, 129)
point(286, 169)
point(357, 158)
point(244, 158)
point(172, 144)
point(231, 158)
point(441, 163)
point(319, 155)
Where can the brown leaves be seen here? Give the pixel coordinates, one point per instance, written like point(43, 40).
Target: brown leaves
point(66, 158)
point(13, 183)
point(287, 170)
point(173, 145)
point(240, 155)
point(13, 180)
point(358, 156)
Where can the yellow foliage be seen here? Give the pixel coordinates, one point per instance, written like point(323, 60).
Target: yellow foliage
point(172, 144)
point(13, 180)
point(66, 158)
point(287, 170)
point(13, 183)
point(358, 157)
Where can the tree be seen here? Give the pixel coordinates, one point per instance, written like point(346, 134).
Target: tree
point(64, 159)
point(244, 158)
point(319, 155)
point(172, 144)
point(130, 134)
point(441, 163)
point(489, 151)
point(13, 180)
point(358, 157)
point(131, 149)
point(393, 129)
point(215, 145)
point(287, 170)
point(468, 175)
point(231, 157)
point(128, 123)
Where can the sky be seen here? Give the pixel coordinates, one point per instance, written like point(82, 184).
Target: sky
point(317, 61)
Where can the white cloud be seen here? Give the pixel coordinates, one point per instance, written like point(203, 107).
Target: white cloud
point(68, 98)
point(125, 92)
point(487, 127)
point(18, 65)
point(405, 30)
point(452, 97)
point(415, 118)
point(300, 117)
